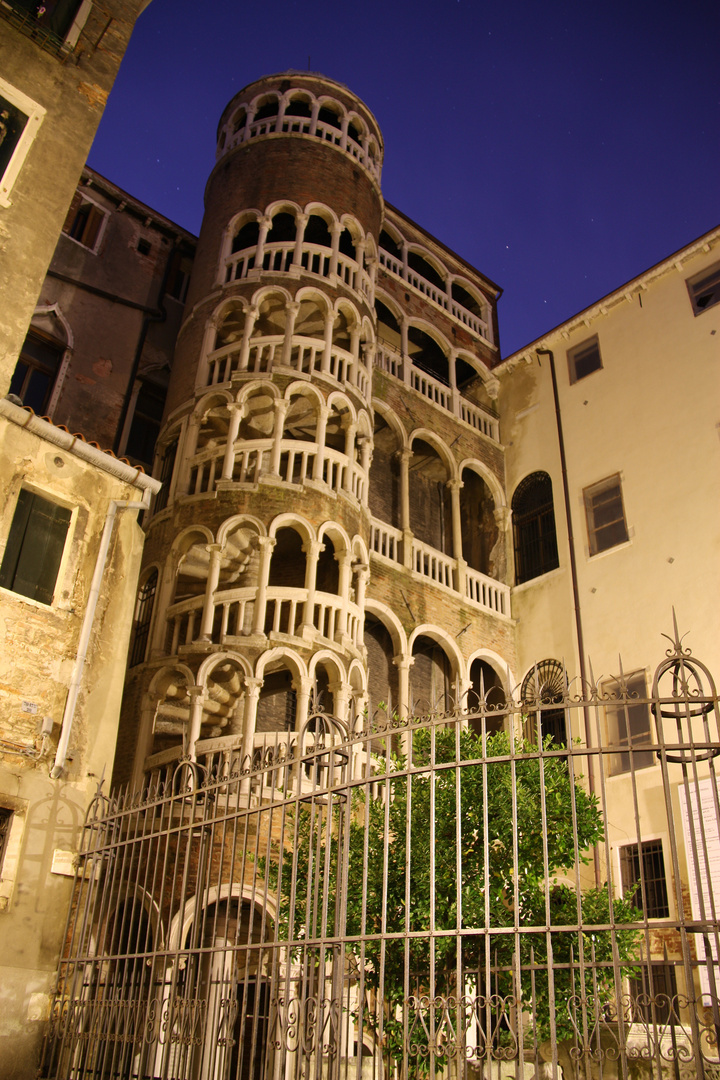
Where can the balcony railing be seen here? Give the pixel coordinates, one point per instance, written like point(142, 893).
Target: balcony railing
point(429, 563)
point(286, 612)
point(308, 355)
point(314, 259)
point(401, 367)
point(437, 296)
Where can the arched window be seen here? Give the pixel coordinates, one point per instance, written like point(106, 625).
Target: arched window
point(536, 549)
point(542, 695)
point(143, 618)
point(246, 237)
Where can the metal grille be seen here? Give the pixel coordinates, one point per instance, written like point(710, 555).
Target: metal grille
point(401, 900)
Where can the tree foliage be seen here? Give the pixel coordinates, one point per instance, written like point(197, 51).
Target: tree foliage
point(492, 865)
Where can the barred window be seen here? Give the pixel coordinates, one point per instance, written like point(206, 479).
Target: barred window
point(642, 874)
point(536, 550)
point(143, 618)
point(5, 822)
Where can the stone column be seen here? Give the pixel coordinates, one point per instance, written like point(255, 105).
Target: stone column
point(405, 457)
point(291, 312)
point(303, 688)
point(250, 319)
point(281, 407)
point(312, 550)
point(266, 545)
point(208, 612)
point(197, 700)
point(253, 687)
point(502, 554)
point(404, 349)
point(343, 132)
point(314, 117)
point(454, 487)
point(335, 231)
point(265, 226)
point(236, 415)
point(301, 221)
point(323, 414)
point(350, 431)
point(366, 447)
point(344, 573)
point(327, 350)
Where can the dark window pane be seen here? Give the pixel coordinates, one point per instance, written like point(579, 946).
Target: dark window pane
point(34, 548)
point(534, 528)
point(647, 890)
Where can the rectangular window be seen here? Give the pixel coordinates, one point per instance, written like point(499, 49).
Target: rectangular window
point(85, 222)
point(583, 359)
point(20, 120)
point(628, 724)
point(179, 276)
point(146, 421)
point(642, 874)
point(705, 290)
point(605, 514)
point(35, 546)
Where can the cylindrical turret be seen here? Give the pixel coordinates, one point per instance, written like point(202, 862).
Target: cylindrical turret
point(257, 553)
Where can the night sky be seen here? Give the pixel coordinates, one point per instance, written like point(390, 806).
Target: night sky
point(560, 148)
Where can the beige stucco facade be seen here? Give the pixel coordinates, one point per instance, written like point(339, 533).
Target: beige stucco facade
point(53, 753)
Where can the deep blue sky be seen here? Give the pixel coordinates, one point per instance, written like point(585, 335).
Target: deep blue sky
point(561, 148)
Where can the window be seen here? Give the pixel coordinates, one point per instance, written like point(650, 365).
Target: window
point(179, 276)
point(167, 466)
point(534, 528)
point(705, 290)
point(605, 515)
point(84, 222)
point(36, 370)
point(143, 618)
point(145, 426)
point(642, 874)
point(628, 724)
point(34, 547)
point(583, 359)
point(20, 120)
point(660, 994)
point(144, 246)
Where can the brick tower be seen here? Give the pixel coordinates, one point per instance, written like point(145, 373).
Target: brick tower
point(331, 528)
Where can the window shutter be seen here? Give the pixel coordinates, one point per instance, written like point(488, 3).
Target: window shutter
point(35, 545)
point(74, 207)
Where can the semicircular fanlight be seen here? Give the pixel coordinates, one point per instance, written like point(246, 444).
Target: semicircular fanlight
point(545, 682)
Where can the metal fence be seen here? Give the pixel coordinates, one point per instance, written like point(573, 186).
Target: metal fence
point(450, 896)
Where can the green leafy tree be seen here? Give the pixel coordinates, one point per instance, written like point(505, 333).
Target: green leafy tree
point(454, 877)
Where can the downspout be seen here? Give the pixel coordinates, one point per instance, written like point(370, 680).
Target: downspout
point(86, 629)
point(573, 575)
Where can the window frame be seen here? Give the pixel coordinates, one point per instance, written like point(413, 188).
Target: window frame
point(32, 364)
point(628, 746)
point(64, 547)
point(631, 886)
point(35, 115)
point(80, 199)
point(709, 276)
point(590, 493)
point(582, 351)
point(531, 532)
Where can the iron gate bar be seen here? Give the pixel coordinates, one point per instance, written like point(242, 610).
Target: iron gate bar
point(340, 906)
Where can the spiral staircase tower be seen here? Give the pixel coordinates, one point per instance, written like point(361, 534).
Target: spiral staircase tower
point(256, 557)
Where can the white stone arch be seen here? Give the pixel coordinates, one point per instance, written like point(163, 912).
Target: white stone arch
point(236, 222)
point(215, 659)
point(311, 294)
point(359, 548)
point(353, 226)
point(327, 101)
point(392, 624)
point(266, 291)
point(293, 521)
point(211, 399)
point(481, 369)
point(283, 206)
point(447, 643)
point(230, 524)
point(432, 332)
point(335, 532)
point(439, 445)
point(155, 689)
point(299, 92)
point(394, 233)
point(358, 122)
point(286, 657)
point(389, 415)
point(496, 488)
point(477, 295)
point(261, 99)
point(429, 257)
point(182, 922)
point(249, 389)
point(186, 538)
point(497, 662)
point(338, 399)
point(329, 659)
point(320, 209)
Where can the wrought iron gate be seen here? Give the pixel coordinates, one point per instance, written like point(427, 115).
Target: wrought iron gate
point(452, 896)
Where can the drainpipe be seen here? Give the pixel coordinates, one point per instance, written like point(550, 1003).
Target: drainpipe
point(573, 574)
point(86, 629)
